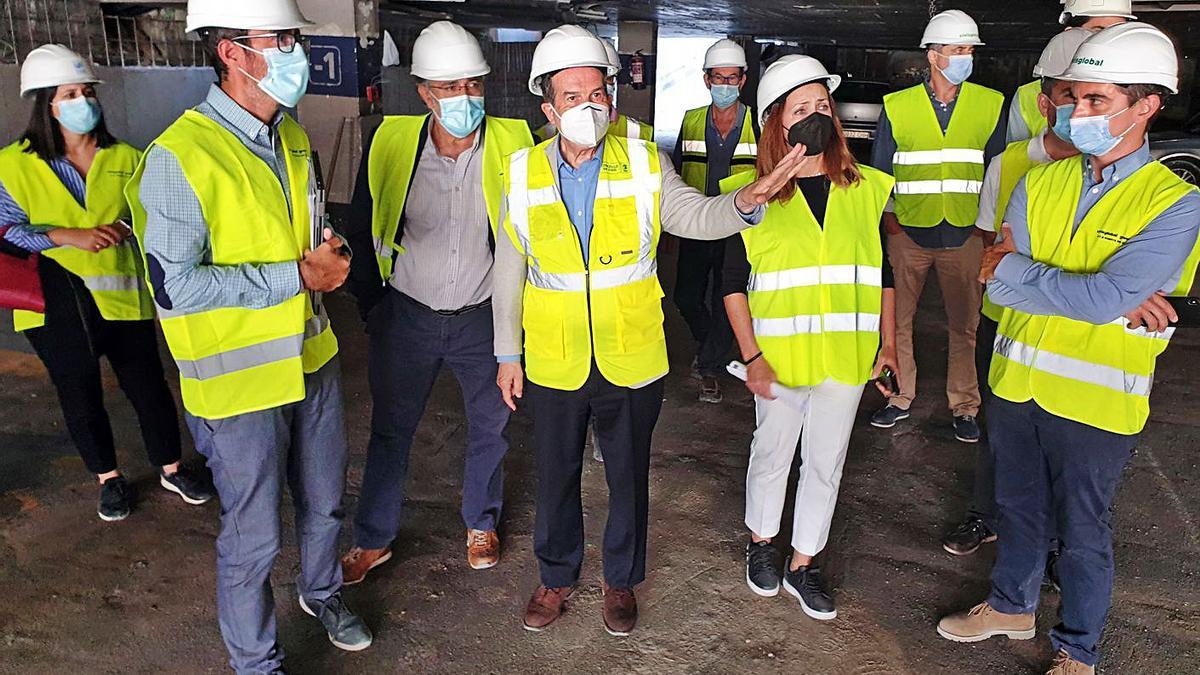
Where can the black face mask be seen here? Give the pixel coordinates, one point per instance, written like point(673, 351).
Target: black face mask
point(813, 132)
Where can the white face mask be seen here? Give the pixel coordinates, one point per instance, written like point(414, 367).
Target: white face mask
point(584, 124)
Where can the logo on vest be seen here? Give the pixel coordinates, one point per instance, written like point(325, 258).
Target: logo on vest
point(299, 154)
point(1115, 237)
point(620, 167)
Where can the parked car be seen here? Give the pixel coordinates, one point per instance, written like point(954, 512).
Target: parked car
point(1179, 150)
point(859, 104)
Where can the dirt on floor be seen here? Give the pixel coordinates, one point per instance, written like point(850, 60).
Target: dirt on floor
point(83, 596)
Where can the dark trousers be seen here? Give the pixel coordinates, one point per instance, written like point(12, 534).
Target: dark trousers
point(408, 346)
point(624, 424)
point(983, 503)
point(1047, 465)
point(698, 296)
point(70, 345)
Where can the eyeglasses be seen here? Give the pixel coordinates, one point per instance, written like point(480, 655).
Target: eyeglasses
point(470, 87)
point(725, 79)
point(285, 42)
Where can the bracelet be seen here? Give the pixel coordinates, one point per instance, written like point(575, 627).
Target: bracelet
point(754, 358)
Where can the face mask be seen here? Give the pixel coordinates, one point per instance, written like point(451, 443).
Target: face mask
point(959, 68)
point(584, 124)
point(80, 115)
point(1062, 121)
point(813, 132)
point(460, 115)
point(724, 95)
point(287, 74)
point(1091, 135)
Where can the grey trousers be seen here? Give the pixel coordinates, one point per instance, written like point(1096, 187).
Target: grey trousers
point(251, 457)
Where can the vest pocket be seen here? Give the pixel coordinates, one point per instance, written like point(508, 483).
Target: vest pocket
point(639, 308)
point(543, 320)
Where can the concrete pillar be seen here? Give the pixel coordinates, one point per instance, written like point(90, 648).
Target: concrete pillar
point(632, 37)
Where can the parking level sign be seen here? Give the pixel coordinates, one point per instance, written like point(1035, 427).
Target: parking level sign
point(333, 66)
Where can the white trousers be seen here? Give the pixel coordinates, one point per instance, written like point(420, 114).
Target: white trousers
point(826, 426)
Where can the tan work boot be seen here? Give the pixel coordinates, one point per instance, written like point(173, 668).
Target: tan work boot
point(982, 622)
point(483, 549)
point(1065, 665)
point(544, 608)
point(358, 561)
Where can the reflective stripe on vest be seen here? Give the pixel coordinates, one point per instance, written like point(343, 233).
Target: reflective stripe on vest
point(815, 293)
point(114, 274)
point(1027, 96)
point(694, 147)
point(236, 360)
point(630, 128)
point(611, 307)
point(1014, 164)
point(939, 176)
point(393, 157)
point(1099, 375)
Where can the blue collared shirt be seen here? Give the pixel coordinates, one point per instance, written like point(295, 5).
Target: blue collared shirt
point(578, 188)
point(1150, 261)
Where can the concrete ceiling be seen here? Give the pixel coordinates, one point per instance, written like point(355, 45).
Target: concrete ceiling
point(1021, 25)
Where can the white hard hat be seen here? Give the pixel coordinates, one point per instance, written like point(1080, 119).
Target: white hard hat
point(614, 59)
point(787, 73)
point(725, 54)
point(951, 27)
point(446, 51)
point(1127, 53)
point(245, 15)
point(1096, 8)
point(52, 65)
point(567, 46)
point(1059, 51)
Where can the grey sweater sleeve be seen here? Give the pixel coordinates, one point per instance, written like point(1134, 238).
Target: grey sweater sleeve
point(508, 286)
point(686, 212)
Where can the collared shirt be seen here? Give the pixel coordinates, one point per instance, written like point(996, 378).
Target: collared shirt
point(447, 264)
point(30, 236)
point(719, 149)
point(942, 235)
point(578, 189)
point(989, 194)
point(1148, 262)
point(177, 240)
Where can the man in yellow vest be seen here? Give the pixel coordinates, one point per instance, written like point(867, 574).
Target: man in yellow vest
point(1052, 143)
point(715, 141)
point(576, 271)
point(427, 203)
point(1024, 119)
point(620, 124)
point(224, 206)
point(936, 138)
point(1087, 240)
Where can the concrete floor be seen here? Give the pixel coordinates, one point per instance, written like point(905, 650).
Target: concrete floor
point(82, 596)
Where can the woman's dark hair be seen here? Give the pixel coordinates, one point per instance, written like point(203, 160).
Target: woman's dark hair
point(44, 135)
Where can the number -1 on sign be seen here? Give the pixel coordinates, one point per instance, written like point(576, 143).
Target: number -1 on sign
point(326, 65)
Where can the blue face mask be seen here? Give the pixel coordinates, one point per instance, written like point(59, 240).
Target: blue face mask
point(1062, 121)
point(287, 74)
point(724, 95)
point(461, 115)
point(1091, 135)
point(80, 115)
point(958, 68)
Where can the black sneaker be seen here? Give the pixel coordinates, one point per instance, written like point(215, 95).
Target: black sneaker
point(116, 499)
point(887, 416)
point(968, 537)
point(805, 585)
point(761, 575)
point(189, 486)
point(966, 429)
point(1050, 577)
point(345, 628)
point(710, 390)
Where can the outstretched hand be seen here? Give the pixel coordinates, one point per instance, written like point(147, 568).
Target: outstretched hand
point(760, 191)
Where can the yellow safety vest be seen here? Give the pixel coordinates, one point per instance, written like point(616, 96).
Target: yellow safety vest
point(236, 360)
point(1096, 375)
point(816, 292)
point(624, 126)
point(393, 157)
point(1027, 97)
point(113, 275)
point(609, 309)
point(694, 170)
point(1014, 163)
point(938, 177)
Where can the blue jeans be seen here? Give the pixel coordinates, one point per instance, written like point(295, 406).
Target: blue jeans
point(409, 344)
point(1048, 466)
point(251, 456)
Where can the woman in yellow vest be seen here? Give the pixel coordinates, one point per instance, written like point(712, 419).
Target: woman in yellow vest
point(809, 296)
point(61, 196)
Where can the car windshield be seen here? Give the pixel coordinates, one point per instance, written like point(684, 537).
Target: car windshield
point(852, 91)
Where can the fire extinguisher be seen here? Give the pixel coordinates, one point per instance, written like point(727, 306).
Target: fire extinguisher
point(637, 70)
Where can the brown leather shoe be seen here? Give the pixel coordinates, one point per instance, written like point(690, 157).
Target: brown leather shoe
point(1065, 665)
point(358, 561)
point(620, 611)
point(483, 549)
point(982, 622)
point(546, 605)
